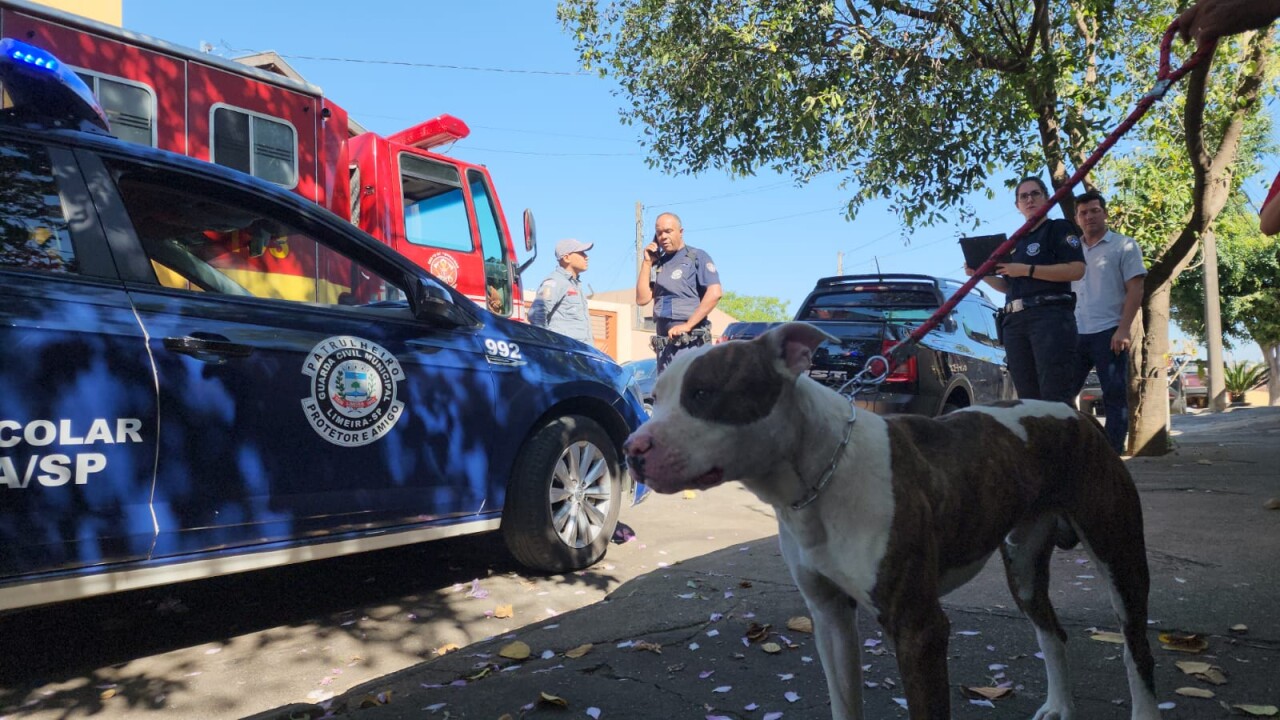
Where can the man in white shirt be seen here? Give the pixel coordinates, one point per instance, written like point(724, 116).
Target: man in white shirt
point(1107, 301)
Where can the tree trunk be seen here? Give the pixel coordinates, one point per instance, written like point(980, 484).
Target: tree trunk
point(1148, 382)
point(1271, 354)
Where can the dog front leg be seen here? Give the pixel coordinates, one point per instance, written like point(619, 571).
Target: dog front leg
point(921, 643)
point(835, 630)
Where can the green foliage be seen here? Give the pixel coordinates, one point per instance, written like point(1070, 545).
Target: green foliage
point(917, 102)
point(1241, 377)
point(754, 308)
point(1248, 281)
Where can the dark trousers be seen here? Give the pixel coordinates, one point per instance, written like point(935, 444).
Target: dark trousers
point(1040, 348)
point(1093, 351)
point(668, 352)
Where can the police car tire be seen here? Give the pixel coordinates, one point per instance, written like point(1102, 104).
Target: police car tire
point(528, 517)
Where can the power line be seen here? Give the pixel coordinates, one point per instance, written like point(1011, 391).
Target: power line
point(768, 220)
point(433, 66)
point(469, 148)
point(719, 197)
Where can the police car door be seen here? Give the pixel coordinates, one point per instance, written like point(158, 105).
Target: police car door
point(299, 396)
point(77, 392)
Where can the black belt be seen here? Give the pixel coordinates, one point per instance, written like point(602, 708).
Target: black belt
point(1021, 304)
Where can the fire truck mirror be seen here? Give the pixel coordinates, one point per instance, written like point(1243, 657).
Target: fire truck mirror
point(530, 231)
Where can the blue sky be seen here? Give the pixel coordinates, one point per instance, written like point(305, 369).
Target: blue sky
point(553, 141)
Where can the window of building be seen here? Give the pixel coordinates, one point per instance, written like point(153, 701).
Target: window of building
point(34, 232)
point(262, 146)
point(130, 106)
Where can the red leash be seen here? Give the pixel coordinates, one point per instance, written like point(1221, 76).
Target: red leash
point(1164, 80)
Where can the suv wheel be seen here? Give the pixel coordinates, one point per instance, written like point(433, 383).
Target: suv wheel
point(563, 500)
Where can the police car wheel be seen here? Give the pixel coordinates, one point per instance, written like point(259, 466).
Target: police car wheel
point(563, 500)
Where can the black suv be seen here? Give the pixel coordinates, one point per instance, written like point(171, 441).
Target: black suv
point(959, 363)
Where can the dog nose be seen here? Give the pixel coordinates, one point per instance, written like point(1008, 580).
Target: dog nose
point(638, 444)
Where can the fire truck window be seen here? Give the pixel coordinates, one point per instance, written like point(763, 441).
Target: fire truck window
point(34, 233)
point(435, 211)
point(497, 271)
point(130, 107)
point(207, 239)
point(256, 145)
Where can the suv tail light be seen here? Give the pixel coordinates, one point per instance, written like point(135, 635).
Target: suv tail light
point(905, 371)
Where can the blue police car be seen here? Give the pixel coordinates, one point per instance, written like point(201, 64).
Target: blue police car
point(201, 373)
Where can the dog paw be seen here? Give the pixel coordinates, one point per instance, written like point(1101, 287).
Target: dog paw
point(1054, 712)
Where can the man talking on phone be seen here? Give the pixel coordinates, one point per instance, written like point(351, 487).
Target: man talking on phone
point(684, 287)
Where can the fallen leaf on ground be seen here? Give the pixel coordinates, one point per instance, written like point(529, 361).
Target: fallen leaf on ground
point(578, 652)
point(371, 701)
point(1183, 643)
point(1195, 692)
point(650, 646)
point(771, 648)
point(549, 699)
point(989, 693)
point(1240, 628)
point(504, 611)
point(1193, 667)
point(1107, 636)
point(1203, 461)
point(108, 694)
point(800, 623)
point(1258, 710)
point(1272, 504)
point(515, 651)
point(689, 495)
point(446, 648)
point(757, 632)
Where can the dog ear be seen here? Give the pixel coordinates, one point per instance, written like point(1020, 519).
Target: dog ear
point(795, 343)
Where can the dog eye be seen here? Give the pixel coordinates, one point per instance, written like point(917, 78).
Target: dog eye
point(703, 395)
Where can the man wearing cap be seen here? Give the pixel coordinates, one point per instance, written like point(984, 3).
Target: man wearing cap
point(560, 304)
point(684, 287)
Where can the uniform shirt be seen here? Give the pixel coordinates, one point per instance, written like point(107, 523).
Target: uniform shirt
point(1109, 264)
point(560, 305)
point(1053, 243)
point(681, 280)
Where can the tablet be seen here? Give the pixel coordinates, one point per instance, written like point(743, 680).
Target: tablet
point(978, 248)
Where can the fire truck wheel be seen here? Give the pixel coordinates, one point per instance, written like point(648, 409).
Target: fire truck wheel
point(563, 500)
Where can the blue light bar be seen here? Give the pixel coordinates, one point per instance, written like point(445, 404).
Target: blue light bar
point(32, 55)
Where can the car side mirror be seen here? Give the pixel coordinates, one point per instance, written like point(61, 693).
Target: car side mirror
point(433, 304)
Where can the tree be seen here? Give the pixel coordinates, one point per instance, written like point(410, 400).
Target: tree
point(754, 308)
point(923, 103)
point(1249, 278)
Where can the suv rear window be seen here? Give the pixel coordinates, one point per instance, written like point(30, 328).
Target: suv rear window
point(874, 301)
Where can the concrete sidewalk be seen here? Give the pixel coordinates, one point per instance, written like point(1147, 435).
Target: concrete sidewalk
point(708, 637)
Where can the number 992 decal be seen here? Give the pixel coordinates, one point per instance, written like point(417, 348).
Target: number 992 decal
point(502, 349)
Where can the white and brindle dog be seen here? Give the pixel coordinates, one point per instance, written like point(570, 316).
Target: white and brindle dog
point(894, 512)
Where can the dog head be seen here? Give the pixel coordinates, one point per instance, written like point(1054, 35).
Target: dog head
point(724, 412)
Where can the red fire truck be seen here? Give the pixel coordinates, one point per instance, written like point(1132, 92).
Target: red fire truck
point(439, 211)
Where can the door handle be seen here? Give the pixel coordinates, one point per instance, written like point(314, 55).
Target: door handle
point(202, 347)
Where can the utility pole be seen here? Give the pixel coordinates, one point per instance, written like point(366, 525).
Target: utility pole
point(639, 318)
point(1217, 401)
point(839, 262)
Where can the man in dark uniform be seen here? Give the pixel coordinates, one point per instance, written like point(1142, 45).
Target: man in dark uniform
point(1038, 321)
point(684, 286)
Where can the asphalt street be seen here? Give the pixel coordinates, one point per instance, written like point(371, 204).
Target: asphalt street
point(715, 636)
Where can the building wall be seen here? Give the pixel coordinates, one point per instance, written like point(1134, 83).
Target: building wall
point(107, 11)
point(630, 341)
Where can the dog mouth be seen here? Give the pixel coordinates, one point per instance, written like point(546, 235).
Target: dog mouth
point(709, 479)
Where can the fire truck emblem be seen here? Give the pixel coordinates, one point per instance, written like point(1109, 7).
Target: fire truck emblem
point(445, 267)
point(353, 390)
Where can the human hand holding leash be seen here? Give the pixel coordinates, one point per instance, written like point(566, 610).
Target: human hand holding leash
point(1208, 20)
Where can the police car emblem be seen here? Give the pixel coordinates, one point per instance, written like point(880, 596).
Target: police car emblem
point(677, 273)
point(1033, 249)
point(1073, 241)
point(353, 390)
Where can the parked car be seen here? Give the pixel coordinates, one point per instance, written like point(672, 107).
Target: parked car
point(202, 373)
point(645, 374)
point(1194, 389)
point(959, 363)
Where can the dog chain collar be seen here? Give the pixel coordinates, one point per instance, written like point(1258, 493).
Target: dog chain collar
point(835, 460)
